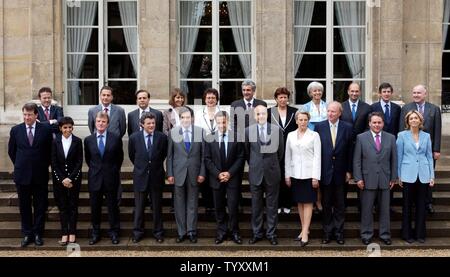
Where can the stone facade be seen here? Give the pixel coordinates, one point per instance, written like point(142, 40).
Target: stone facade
point(404, 46)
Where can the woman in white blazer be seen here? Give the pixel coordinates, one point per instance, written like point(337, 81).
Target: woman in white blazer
point(302, 170)
point(415, 170)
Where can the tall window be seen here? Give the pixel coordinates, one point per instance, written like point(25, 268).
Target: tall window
point(101, 48)
point(215, 47)
point(446, 59)
point(329, 46)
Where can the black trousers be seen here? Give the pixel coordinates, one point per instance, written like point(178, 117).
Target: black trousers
point(207, 194)
point(32, 196)
point(155, 194)
point(414, 193)
point(285, 195)
point(224, 197)
point(96, 199)
point(333, 215)
point(67, 201)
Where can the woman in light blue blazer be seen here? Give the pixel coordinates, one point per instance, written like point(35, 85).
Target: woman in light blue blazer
point(415, 170)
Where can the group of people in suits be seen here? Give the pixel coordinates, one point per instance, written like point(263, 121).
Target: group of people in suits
point(303, 156)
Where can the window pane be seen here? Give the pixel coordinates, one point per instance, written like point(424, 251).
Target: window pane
point(230, 65)
point(122, 13)
point(201, 65)
point(195, 13)
point(446, 96)
point(117, 42)
point(340, 90)
point(447, 40)
point(349, 66)
point(202, 44)
point(82, 14)
point(301, 92)
point(82, 40)
point(124, 92)
point(445, 64)
point(82, 66)
point(317, 38)
point(349, 40)
point(312, 66)
point(348, 13)
point(235, 13)
point(228, 38)
point(318, 16)
point(120, 66)
point(194, 90)
point(230, 91)
point(82, 92)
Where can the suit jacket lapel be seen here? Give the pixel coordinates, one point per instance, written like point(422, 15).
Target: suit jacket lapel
point(371, 140)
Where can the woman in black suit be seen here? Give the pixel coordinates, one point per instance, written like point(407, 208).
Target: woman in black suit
point(283, 116)
point(67, 159)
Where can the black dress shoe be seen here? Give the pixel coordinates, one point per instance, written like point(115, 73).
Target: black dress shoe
point(192, 238)
point(366, 241)
point(115, 239)
point(386, 241)
point(430, 209)
point(303, 243)
point(180, 239)
point(38, 240)
point(421, 240)
point(94, 239)
point(159, 239)
point(340, 241)
point(254, 240)
point(136, 239)
point(236, 239)
point(219, 240)
point(26, 240)
point(326, 240)
point(409, 240)
point(273, 240)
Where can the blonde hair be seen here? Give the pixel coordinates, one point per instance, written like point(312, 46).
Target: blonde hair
point(407, 126)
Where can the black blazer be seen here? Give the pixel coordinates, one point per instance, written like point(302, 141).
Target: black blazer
point(56, 112)
point(361, 123)
point(291, 125)
point(395, 111)
point(107, 169)
point(133, 121)
point(338, 161)
point(432, 122)
point(147, 171)
point(30, 162)
point(235, 161)
point(69, 167)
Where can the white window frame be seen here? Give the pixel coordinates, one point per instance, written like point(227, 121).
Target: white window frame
point(102, 53)
point(330, 53)
point(215, 53)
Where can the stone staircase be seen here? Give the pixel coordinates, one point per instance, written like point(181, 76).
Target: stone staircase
point(438, 225)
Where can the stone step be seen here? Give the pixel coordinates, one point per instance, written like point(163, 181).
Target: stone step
point(11, 229)
point(11, 199)
point(11, 213)
point(207, 244)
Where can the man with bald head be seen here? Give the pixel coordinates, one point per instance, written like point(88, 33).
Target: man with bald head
point(432, 124)
point(336, 139)
point(264, 148)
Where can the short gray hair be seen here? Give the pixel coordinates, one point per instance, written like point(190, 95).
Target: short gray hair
point(314, 85)
point(249, 83)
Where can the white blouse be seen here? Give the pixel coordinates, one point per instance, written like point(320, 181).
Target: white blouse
point(66, 142)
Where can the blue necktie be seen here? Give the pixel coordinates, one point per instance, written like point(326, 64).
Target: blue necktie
point(387, 114)
point(187, 142)
point(101, 145)
point(353, 112)
point(149, 146)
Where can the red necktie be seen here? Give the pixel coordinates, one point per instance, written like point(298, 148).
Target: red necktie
point(47, 114)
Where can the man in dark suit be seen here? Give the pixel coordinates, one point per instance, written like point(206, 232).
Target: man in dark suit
point(355, 112)
point(48, 113)
point(224, 159)
point(264, 148)
point(117, 120)
point(104, 157)
point(432, 124)
point(336, 140)
point(29, 148)
point(186, 170)
point(241, 111)
point(134, 117)
point(147, 150)
point(375, 173)
point(390, 110)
